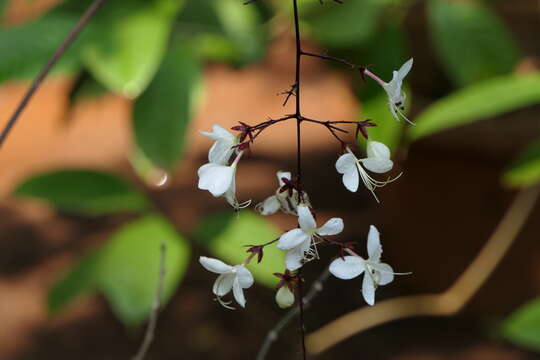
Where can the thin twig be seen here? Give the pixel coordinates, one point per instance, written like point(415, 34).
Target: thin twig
point(156, 306)
point(72, 36)
point(445, 304)
point(273, 334)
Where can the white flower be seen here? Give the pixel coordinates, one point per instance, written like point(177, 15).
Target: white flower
point(396, 97)
point(223, 147)
point(220, 181)
point(230, 196)
point(236, 278)
point(377, 161)
point(284, 297)
point(375, 272)
point(298, 241)
point(281, 199)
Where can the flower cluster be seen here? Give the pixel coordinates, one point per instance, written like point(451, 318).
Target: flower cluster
point(301, 243)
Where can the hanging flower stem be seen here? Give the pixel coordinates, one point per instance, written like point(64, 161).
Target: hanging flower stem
point(298, 116)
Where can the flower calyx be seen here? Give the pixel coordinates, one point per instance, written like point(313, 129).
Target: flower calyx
point(256, 250)
point(288, 279)
point(362, 126)
point(290, 184)
point(246, 131)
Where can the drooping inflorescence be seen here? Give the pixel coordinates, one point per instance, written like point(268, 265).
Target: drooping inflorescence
point(301, 244)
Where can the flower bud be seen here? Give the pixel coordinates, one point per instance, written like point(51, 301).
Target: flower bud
point(284, 297)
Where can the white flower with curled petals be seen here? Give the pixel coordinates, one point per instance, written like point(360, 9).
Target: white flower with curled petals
point(219, 180)
point(223, 147)
point(375, 272)
point(300, 243)
point(282, 200)
point(235, 278)
point(377, 161)
point(396, 97)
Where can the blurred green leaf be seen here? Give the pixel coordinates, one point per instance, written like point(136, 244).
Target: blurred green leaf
point(523, 326)
point(127, 46)
point(3, 4)
point(163, 112)
point(79, 281)
point(84, 191)
point(242, 26)
point(84, 87)
point(388, 129)
point(129, 266)
point(471, 41)
point(478, 102)
point(224, 30)
point(350, 24)
point(525, 171)
point(28, 47)
point(127, 269)
point(226, 237)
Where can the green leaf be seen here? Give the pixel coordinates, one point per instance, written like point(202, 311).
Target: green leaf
point(85, 87)
point(79, 281)
point(83, 191)
point(242, 24)
point(471, 28)
point(162, 113)
point(130, 265)
point(525, 171)
point(350, 24)
point(3, 7)
point(127, 46)
point(31, 45)
point(478, 102)
point(227, 236)
point(223, 30)
point(388, 130)
point(523, 326)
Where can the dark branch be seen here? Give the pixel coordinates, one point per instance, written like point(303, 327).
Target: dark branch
point(83, 21)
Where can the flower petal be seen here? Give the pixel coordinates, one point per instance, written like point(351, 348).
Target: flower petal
point(374, 246)
point(332, 227)
point(346, 165)
point(294, 257)
point(218, 133)
point(220, 152)
point(223, 284)
point(405, 68)
point(244, 276)
point(292, 238)
point(377, 165)
point(347, 268)
point(215, 178)
point(269, 206)
point(384, 272)
point(215, 265)
point(377, 149)
point(305, 219)
point(368, 289)
point(238, 293)
point(230, 194)
point(283, 174)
